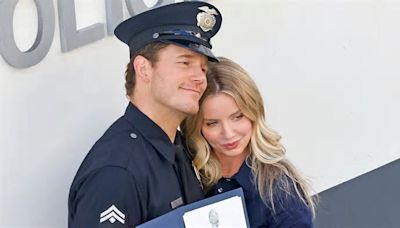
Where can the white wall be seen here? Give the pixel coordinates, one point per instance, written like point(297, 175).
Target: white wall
point(327, 70)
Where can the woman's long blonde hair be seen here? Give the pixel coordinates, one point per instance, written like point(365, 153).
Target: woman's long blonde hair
point(266, 157)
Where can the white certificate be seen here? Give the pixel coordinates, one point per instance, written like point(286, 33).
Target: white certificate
point(228, 213)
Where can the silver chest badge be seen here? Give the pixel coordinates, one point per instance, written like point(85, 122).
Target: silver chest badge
point(206, 19)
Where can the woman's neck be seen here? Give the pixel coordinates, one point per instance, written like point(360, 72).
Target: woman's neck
point(231, 165)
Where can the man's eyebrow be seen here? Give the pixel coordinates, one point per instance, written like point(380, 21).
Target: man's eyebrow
point(185, 55)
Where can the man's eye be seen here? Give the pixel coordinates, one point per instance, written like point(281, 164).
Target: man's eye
point(184, 63)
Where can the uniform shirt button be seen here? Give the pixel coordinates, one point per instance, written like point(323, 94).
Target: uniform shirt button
point(220, 190)
point(133, 135)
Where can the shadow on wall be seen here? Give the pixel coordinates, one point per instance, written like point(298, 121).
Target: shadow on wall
point(371, 200)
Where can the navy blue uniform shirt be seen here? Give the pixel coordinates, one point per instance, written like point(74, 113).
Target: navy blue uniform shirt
point(290, 211)
point(132, 174)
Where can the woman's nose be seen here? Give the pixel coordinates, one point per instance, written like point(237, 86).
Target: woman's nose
point(228, 131)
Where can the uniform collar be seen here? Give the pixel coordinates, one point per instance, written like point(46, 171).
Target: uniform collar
point(245, 177)
point(152, 132)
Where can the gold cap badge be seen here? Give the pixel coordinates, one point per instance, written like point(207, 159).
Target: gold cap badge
point(206, 19)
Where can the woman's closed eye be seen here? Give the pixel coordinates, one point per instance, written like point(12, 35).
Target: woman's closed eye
point(238, 116)
point(210, 123)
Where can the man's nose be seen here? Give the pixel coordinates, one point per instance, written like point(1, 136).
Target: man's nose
point(199, 74)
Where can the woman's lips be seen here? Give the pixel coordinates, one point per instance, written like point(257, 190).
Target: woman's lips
point(231, 146)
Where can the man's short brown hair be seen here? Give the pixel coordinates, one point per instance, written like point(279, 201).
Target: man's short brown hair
point(150, 52)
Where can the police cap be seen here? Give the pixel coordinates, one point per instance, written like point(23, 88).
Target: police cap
point(186, 24)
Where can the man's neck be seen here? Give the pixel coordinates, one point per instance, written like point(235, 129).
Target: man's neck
point(166, 119)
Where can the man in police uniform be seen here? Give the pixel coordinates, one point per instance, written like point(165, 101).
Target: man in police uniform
point(138, 169)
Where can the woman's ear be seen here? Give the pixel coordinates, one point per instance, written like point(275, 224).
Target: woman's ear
point(142, 68)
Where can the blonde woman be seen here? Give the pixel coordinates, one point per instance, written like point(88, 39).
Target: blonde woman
point(233, 147)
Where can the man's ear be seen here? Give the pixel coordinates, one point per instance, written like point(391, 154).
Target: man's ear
point(142, 68)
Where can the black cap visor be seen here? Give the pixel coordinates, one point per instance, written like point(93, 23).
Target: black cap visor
point(194, 47)
point(183, 36)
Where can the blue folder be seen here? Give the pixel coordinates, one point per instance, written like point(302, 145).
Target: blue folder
point(174, 219)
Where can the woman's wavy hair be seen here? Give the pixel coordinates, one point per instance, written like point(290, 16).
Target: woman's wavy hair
point(266, 155)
